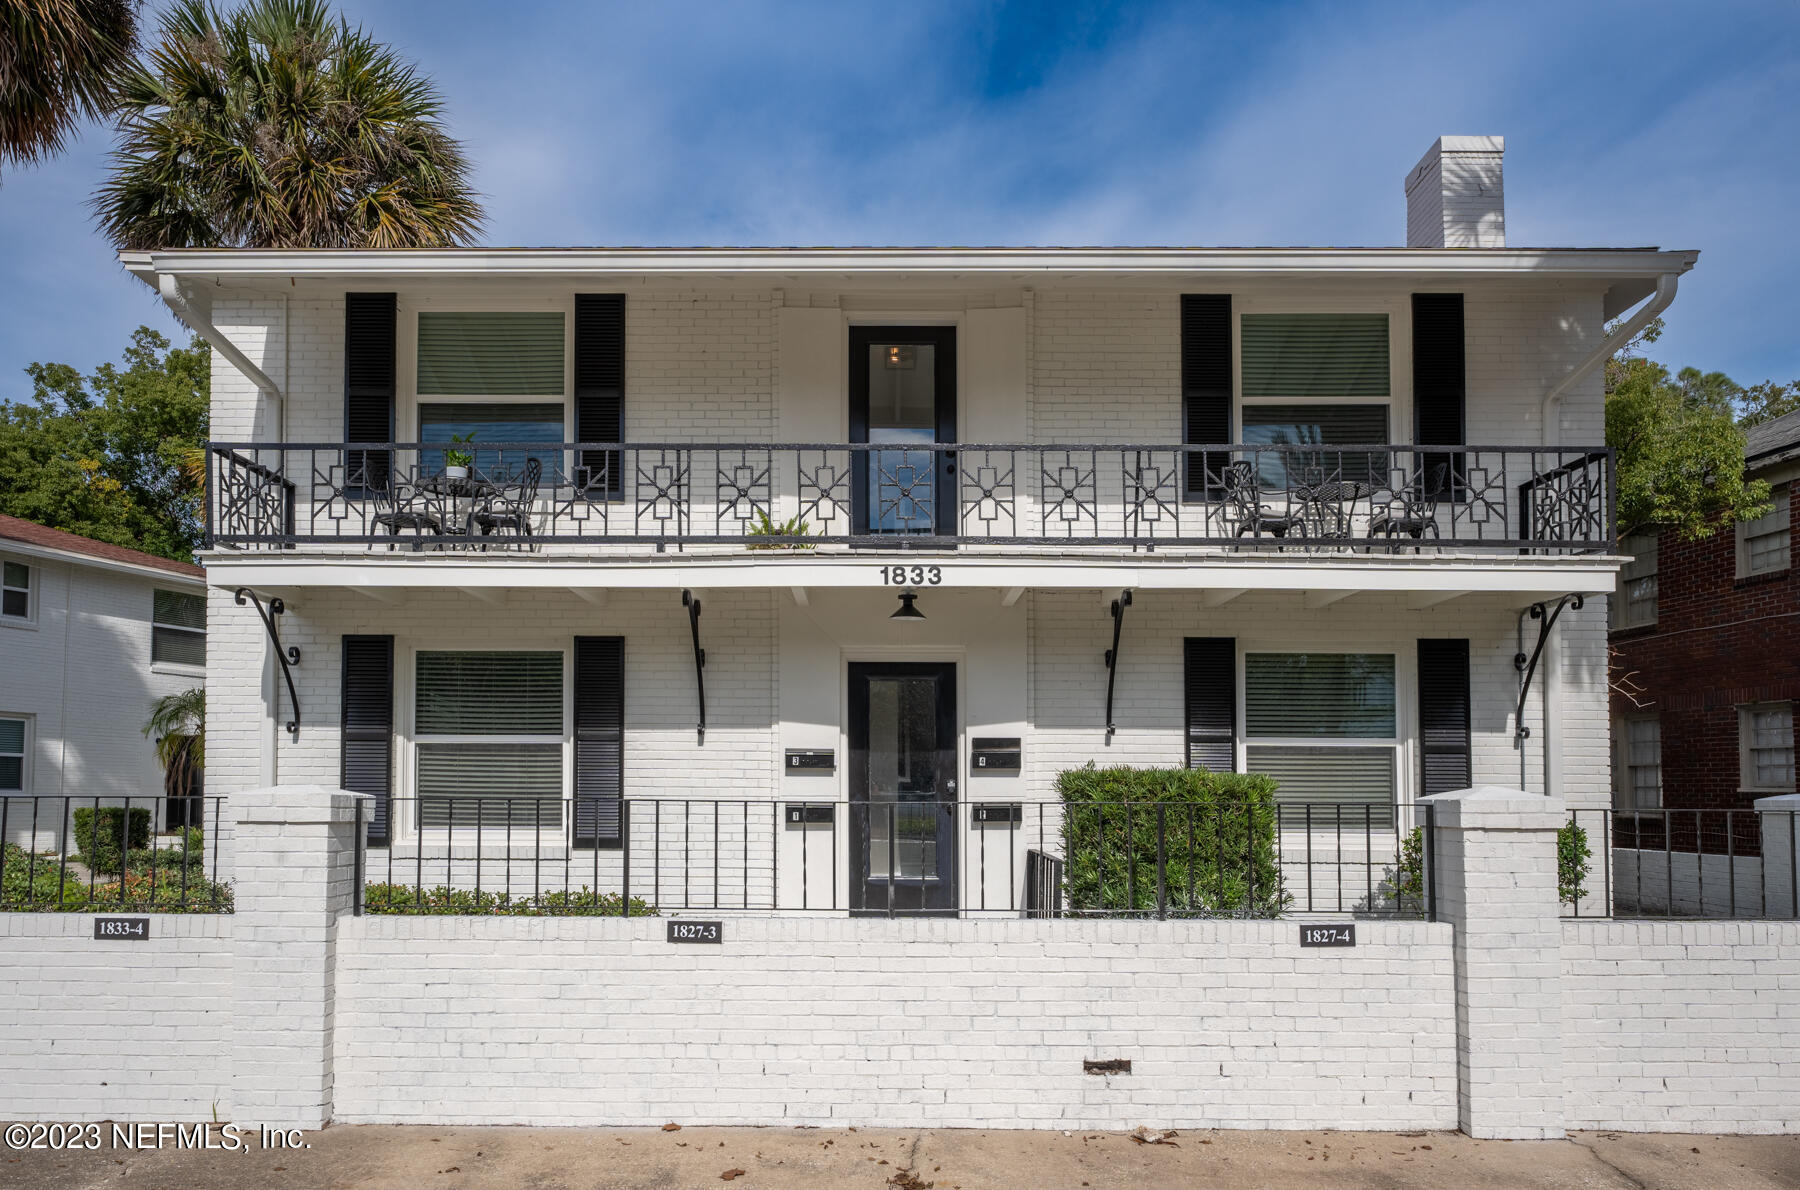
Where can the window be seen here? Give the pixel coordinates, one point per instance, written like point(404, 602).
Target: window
point(493, 361)
point(488, 735)
point(178, 628)
point(15, 591)
point(1324, 726)
point(1316, 379)
point(1766, 747)
point(1763, 545)
point(12, 754)
point(1640, 785)
point(1634, 603)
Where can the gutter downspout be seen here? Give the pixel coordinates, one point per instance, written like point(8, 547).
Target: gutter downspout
point(177, 300)
point(1621, 335)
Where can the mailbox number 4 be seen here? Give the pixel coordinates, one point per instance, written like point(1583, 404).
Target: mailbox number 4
point(912, 576)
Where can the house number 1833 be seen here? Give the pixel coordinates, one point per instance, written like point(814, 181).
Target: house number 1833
point(912, 576)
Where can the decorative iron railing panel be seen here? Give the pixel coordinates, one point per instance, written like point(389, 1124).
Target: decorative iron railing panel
point(1324, 499)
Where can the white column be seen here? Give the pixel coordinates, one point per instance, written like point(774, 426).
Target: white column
point(295, 862)
point(1780, 821)
point(1496, 885)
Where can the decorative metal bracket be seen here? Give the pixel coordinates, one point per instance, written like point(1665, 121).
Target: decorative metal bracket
point(1112, 658)
point(1546, 618)
point(693, 605)
point(289, 657)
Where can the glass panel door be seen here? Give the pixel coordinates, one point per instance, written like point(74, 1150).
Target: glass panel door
point(903, 395)
point(903, 787)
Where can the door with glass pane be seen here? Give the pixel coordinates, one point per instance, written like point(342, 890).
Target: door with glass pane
point(903, 398)
point(903, 787)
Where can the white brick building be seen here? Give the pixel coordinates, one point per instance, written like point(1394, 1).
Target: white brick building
point(91, 635)
point(1287, 468)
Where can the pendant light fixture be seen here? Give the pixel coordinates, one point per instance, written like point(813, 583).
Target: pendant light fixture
point(907, 611)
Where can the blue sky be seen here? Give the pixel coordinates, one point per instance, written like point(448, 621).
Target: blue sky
point(1016, 122)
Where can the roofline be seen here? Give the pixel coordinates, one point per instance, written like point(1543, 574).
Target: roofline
point(252, 263)
point(13, 545)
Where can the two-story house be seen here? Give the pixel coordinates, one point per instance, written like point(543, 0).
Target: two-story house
point(91, 635)
point(806, 549)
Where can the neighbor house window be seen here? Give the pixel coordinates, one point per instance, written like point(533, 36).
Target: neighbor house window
point(12, 754)
point(178, 628)
point(1316, 380)
point(486, 374)
point(1641, 785)
point(1324, 726)
point(1766, 747)
point(1634, 603)
point(15, 591)
point(488, 731)
point(1763, 545)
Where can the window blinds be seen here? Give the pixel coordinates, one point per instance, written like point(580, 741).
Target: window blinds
point(512, 353)
point(491, 694)
point(1314, 355)
point(1319, 695)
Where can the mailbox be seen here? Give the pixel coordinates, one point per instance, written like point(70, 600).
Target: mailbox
point(991, 754)
point(811, 760)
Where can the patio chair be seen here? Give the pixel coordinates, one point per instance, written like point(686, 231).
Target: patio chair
point(403, 506)
point(1244, 498)
point(1412, 510)
point(509, 507)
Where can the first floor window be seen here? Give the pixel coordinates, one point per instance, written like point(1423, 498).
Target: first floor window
point(1763, 544)
point(178, 628)
point(1766, 755)
point(1324, 725)
point(489, 736)
point(12, 754)
point(15, 590)
point(1641, 788)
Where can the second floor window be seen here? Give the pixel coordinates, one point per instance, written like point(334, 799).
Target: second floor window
point(1634, 603)
point(1315, 380)
point(487, 374)
point(15, 590)
point(178, 628)
point(1763, 545)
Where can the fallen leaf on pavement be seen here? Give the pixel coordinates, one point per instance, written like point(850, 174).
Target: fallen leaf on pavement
point(731, 1175)
point(671, 1127)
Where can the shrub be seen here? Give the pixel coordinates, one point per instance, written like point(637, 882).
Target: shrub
point(1407, 879)
point(1572, 854)
point(162, 892)
point(30, 881)
point(407, 898)
point(1110, 832)
point(191, 854)
point(46, 884)
point(99, 832)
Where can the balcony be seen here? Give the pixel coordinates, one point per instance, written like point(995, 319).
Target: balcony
point(604, 499)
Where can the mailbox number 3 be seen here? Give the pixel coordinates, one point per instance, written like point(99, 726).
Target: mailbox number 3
point(912, 576)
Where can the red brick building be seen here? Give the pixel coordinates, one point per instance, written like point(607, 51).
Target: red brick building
point(1710, 632)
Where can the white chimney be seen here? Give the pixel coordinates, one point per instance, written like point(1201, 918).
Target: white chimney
point(1454, 196)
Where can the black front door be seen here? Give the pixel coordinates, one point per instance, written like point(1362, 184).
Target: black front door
point(903, 787)
point(903, 397)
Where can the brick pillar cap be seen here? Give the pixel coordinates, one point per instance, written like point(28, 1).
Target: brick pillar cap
point(1496, 807)
point(1780, 802)
point(295, 804)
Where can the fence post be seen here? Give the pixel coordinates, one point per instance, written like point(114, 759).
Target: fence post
point(1162, 862)
point(295, 852)
point(1778, 818)
point(1496, 858)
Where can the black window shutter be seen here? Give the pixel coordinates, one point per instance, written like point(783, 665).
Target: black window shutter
point(1440, 393)
point(369, 338)
point(367, 737)
point(599, 739)
point(1210, 677)
point(600, 387)
point(1205, 386)
point(1444, 714)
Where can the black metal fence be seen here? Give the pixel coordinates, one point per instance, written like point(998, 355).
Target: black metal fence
point(803, 495)
point(1704, 864)
point(112, 854)
point(1145, 859)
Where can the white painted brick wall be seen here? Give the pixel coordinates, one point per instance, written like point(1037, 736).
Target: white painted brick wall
point(128, 1031)
point(893, 1023)
point(1681, 1026)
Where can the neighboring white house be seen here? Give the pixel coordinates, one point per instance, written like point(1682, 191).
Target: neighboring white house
point(1310, 496)
point(91, 634)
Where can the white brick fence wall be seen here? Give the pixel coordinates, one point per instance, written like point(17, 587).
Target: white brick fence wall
point(1499, 1019)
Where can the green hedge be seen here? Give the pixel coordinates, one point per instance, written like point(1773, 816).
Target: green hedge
point(99, 849)
point(1572, 867)
point(1110, 828)
point(406, 898)
point(45, 885)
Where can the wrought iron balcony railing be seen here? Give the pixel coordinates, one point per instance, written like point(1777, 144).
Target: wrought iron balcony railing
point(450, 496)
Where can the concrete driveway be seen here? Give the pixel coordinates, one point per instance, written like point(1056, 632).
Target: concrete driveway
point(550, 1159)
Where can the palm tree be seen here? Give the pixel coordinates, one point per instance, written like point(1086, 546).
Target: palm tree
point(58, 60)
point(177, 723)
point(278, 126)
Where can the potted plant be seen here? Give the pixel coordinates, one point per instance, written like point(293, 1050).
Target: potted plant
point(458, 462)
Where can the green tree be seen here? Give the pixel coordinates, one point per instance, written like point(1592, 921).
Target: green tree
point(279, 126)
point(177, 726)
point(1767, 401)
point(102, 455)
point(1680, 448)
point(58, 60)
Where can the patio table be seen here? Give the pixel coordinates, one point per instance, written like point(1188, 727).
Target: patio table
point(1327, 504)
point(461, 498)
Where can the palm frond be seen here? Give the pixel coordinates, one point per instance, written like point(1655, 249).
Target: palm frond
point(58, 63)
